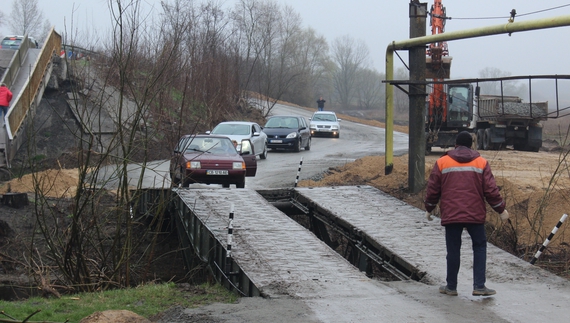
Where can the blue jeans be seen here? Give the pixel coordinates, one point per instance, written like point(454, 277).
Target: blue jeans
point(321, 108)
point(3, 114)
point(453, 243)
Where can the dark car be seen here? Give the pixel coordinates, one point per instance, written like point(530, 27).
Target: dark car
point(210, 159)
point(287, 132)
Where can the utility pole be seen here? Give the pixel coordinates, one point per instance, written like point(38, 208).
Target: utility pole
point(417, 99)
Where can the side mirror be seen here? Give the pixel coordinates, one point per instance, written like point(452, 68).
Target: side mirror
point(208, 132)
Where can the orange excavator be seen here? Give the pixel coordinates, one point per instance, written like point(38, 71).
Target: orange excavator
point(449, 107)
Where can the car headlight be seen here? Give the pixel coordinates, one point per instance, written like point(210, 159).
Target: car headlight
point(292, 135)
point(238, 165)
point(334, 127)
point(193, 165)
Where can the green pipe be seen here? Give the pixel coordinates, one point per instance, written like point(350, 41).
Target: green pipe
point(508, 28)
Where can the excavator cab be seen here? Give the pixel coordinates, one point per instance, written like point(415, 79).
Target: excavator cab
point(460, 105)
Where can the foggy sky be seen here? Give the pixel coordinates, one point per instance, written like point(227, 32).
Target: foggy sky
point(378, 23)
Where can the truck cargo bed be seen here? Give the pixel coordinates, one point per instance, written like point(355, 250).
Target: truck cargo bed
point(511, 107)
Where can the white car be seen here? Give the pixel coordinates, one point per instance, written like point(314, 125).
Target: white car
point(240, 130)
point(325, 123)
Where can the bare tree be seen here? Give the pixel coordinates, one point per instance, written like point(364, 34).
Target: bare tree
point(401, 99)
point(310, 59)
point(102, 240)
point(370, 89)
point(272, 57)
point(349, 56)
point(26, 18)
point(511, 87)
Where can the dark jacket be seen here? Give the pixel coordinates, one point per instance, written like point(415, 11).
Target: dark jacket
point(321, 103)
point(5, 96)
point(461, 181)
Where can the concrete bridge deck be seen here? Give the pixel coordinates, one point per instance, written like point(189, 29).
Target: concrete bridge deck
point(283, 259)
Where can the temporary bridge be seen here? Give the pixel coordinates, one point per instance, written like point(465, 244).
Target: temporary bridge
point(352, 254)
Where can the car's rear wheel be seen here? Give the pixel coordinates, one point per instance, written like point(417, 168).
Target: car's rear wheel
point(240, 185)
point(226, 185)
point(264, 153)
point(308, 146)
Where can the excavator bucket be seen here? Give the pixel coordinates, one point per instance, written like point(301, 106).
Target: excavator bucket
point(440, 69)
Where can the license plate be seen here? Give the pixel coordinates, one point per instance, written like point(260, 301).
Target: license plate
point(216, 172)
point(276, 141)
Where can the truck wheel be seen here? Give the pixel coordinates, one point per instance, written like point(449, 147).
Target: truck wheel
point(487, 144)
point(480, 138)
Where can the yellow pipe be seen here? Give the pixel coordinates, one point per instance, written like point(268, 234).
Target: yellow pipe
point(508, 28)
point(389, 97)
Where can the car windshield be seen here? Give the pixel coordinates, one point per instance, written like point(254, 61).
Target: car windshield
point(282, 123)
point(211, 145)
point(324, 117)
point(231, 129)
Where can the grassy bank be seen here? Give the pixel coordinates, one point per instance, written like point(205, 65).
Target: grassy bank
point(147, 300)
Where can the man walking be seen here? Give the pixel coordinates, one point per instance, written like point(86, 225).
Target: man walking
point(321, 104)
point(5, 98)
point(461, 181)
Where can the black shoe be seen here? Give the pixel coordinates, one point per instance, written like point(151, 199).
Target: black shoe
point(484, 292)
point(447, 291)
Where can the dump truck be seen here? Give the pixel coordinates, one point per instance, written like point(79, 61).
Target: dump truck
point(507, 120)
point(495, 121)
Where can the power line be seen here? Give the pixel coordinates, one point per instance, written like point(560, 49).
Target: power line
point(505, 17)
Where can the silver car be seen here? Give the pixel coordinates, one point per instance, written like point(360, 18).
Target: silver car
point(325, 123)
point(240, 130)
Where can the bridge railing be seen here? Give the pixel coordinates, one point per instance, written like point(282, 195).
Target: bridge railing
point(32, 90)
point(16, 62)
point(24, 101)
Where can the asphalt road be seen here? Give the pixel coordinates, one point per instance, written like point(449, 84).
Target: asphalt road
point(280, 168)
point(356, 141)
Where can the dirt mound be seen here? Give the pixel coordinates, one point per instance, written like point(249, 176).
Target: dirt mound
point(56, 183)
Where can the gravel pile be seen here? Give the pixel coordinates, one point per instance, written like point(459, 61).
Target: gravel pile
point(494, 107)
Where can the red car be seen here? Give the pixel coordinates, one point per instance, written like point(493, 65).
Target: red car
point(211, 159)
